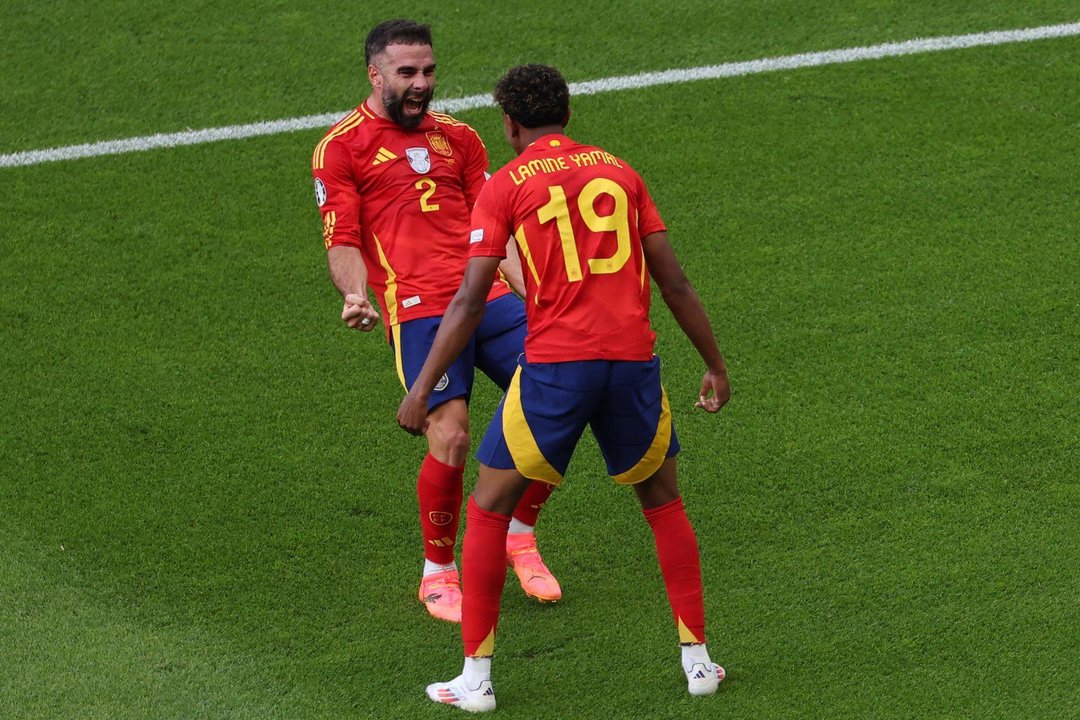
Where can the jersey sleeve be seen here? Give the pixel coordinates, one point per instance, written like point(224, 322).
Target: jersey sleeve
point(490, 223)
point(475, 166)
point(337, 197)
point(648, 216)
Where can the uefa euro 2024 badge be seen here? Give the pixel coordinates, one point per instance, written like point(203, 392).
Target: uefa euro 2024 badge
point(320, 192)
point(419, 159)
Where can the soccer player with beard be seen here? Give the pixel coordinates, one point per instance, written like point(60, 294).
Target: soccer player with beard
point(591, 237)
point(395, 184)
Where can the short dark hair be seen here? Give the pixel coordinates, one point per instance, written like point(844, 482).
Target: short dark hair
point(389, 32)
point(533, 95)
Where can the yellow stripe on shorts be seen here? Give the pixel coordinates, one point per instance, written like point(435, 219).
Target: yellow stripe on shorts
point(654, 457)
point(395, 330)
point(528, 459)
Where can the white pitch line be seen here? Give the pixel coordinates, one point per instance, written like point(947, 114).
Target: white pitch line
point(625, 82)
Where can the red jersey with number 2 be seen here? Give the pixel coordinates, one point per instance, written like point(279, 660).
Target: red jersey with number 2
point(403, 197)
point(578, 215)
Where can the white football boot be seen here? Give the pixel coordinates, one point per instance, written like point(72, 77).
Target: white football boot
point(703, 678)
point(456, 692)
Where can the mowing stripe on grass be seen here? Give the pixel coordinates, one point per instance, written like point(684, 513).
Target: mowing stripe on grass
point(626, 82)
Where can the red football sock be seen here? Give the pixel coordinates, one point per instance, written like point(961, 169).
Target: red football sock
point(439, 491)
point(483, 563)
point(528, 508)
point(680, 564)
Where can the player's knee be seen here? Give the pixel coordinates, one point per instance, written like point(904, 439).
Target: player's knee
point(449, 439)
point(660, 488)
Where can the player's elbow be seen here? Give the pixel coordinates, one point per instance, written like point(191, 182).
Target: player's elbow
point(676, 290)
point(470, 308)
point(475, 307)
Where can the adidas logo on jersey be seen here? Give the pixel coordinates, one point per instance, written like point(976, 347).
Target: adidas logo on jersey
point(382, 156)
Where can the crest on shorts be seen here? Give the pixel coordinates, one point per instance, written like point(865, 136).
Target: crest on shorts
point(440, 518)
point(443, 382)
point(439, 143)
point(419, 159)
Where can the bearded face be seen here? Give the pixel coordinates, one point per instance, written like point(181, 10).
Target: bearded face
point(406, 108)
point(404, 78)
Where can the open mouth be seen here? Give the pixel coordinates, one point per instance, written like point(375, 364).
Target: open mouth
point(407, 110)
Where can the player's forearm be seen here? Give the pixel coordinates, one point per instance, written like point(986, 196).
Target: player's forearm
point(681, 299)
point(457, 326)
point(347, 270)
point(686, 307)
point(458, 323)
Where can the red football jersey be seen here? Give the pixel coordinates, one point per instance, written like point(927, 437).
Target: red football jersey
point(403, 197)
point(578, 214)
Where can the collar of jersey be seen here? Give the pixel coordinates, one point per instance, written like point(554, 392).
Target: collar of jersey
point(543, 143)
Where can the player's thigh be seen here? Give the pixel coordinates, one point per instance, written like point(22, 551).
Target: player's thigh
point(633, 424)
point(411, 343)
point(500, 339)
point(540, 420)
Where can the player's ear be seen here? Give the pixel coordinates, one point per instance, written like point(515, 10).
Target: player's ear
point(566, 120)
point(373, 76)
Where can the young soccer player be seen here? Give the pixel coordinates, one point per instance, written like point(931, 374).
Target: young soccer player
point(590, 237)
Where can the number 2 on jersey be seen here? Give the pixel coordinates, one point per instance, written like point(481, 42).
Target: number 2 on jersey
point(428, 186)
point(618, 222)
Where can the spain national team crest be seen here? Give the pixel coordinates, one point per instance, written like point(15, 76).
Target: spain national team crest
point(439, 143)
point(419, 159)
point(438, 517)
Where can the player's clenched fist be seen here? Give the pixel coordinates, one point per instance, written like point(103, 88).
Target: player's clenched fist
point(359, 314)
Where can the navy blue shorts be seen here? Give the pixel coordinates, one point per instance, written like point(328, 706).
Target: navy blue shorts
point(494, 349)
point(539, 422)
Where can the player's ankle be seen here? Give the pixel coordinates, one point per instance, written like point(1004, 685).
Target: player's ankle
point(476, 671)
point(430, 568)
point(517, 527)
point(694, 654)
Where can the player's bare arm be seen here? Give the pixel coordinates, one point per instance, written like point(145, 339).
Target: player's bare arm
point(458, 324)
point(349, 275)
point(685, 305)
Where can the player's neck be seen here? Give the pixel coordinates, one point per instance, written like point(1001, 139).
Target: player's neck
point(376, 108)
point(531, 135)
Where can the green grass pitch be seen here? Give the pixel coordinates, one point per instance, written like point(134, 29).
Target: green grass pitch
point(206, 510)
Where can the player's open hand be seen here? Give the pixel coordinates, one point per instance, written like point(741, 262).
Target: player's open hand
point(715, 391)
point(412, 415)
point(359, 314)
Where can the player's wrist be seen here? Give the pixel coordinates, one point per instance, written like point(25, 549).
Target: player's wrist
point(717, 368)
point(420, 391)
point(360, 292)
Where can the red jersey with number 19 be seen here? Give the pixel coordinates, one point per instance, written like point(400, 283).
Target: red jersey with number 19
point(578, 215)
point(403, 197)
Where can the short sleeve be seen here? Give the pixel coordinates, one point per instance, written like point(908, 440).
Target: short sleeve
point(649, 220)
point(336, 195)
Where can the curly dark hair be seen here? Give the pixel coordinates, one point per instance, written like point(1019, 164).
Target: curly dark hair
point(533, 95)
point(389, 32)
